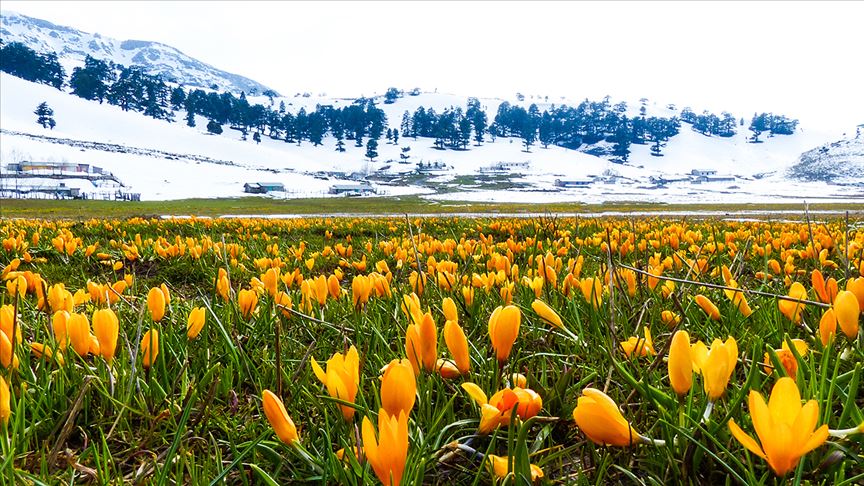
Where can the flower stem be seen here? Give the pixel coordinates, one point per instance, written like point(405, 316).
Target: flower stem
point(649, 440)
point(706, 416)
point(843, 433)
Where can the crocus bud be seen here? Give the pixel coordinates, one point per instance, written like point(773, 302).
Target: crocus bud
point(149, 347)
point(106, 327)
point(195, 322)
point(278, 417)
point(156, 304)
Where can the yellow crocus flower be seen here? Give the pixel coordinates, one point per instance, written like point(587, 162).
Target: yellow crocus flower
point(785, 428)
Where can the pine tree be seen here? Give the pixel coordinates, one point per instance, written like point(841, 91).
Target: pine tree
point(407, 126)
point(317, 126)
point(45, 115)
point(758, 124)
point(190, 118)
point(546, 129)
point(404, 156)
point(214, 127)
point(50, 71)
point(396, 136)
point(390, 96)
point(301, 125)
point(478, 119)
point(372, 149)
point(178, 98)
point(289, 126)
point(527, 127)
point(780, 125)
point(621, 140)
point(92, 81)
point(419, 123)
point(464, 132)
point(726, 127)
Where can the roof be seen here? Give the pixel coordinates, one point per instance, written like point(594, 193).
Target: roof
point(351, 187)
point(264, 184)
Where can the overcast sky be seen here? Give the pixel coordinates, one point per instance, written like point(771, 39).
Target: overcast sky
point(797, 58)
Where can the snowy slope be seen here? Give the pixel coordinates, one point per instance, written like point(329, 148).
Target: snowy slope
point(72, 46)
point(170, 160)
point(841, 161)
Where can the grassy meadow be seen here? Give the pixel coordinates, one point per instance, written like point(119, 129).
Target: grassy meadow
point(428, 350)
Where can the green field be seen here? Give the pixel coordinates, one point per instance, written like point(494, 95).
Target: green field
point(196, 413)
point(76, 209)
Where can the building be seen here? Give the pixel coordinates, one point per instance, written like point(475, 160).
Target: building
point(701, 179)
point(352, 189)
point(431, 167)
point(570, 183)
point(30, 166)
point(504, 167)
point(263, 187)
point(703, 172)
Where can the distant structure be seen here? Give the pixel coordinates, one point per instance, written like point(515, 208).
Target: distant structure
point(703, 172)
point(698, 176)
point(35, 180)
point(571, 183)
point(263, 187)
point(431, 167)
point(504, 167)
point(352, 189)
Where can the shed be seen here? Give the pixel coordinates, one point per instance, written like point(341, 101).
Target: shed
point(573, 182)
point(263, 187)
point(352, 189)
point(703, 172)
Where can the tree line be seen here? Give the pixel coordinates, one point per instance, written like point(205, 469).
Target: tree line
point(603, 126)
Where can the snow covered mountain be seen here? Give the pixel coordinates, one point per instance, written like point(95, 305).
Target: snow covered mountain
point(841, 161)
point(72, 46)
point(162, 160)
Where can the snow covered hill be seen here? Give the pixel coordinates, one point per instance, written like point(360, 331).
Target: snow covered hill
point(841, 162)
point(162, 160)
point(72, 46)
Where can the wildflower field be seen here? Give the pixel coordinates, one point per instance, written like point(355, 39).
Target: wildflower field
point(431, 351)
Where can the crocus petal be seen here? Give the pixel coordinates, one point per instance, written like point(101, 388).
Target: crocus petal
point(475, 392)
point(319, 372)
point(817, 439)
point(785, 401)
point(745, 440)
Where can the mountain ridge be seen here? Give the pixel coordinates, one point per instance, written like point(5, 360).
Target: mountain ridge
point(72, 45)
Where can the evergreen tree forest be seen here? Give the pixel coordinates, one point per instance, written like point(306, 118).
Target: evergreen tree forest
point(598, 127)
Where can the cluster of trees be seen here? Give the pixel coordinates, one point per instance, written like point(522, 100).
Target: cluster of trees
point(454, 128)
point(362, 119)
point(23, 62)
point(725, 124)
point(710, 124)
point(133, 89)
point(564, 126)
point(586, 124)
point(774, 124)
point(130, 88)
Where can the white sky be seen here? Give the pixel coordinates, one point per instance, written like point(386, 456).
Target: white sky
point(797, 58)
